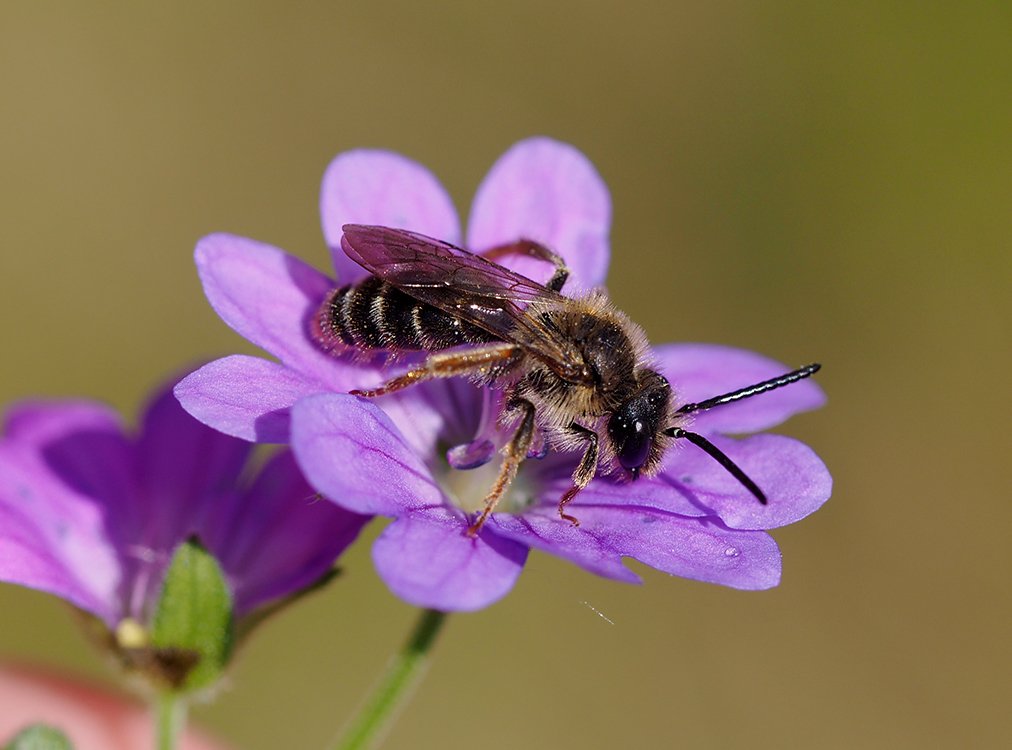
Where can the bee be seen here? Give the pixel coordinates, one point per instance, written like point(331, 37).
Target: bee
point(575, 372)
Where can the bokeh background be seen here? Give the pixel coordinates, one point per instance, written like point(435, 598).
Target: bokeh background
point(823, 181)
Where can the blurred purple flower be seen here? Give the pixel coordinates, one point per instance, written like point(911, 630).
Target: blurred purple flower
point(93, 514)
point(693, 520)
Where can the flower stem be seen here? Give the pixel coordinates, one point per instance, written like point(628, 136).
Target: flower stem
point(170, 717)
point(404, 671)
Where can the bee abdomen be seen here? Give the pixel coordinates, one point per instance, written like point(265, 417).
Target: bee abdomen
point(375, 315)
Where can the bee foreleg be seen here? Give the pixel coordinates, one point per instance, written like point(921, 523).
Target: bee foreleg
point(535, 250)
point(584, 472)
point(476, 361)
point(515, 452)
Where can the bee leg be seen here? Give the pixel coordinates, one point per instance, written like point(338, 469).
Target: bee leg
point(476, 361)
point(515, 452)
point(535, 250)
point(584, 472)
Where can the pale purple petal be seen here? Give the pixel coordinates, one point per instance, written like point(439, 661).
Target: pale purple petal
point(246, 397)
point(691, 483)
point(268, 297)
point(606, 492)
point(697, 548)
point(792, 476)
point(427, 559)
point(436, 413)
point(83, 444)
point(380, 187)
point(36, 423)
point(279, 536)
point(354, 454)
point(546, 191)
point(53, 537)
point(543, 529)
point(701, 371)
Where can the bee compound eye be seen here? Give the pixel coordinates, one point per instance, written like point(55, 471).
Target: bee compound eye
point(635, 450)
point(631, 439)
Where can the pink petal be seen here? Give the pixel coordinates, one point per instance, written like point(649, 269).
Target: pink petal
point(246, 397)
point(701, 371)
point(384, 188)
point(427, 559)
point(92, 717)
point(547, 191)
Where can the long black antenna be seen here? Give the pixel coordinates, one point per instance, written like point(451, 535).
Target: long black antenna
point(753, 390)
point(719, 456)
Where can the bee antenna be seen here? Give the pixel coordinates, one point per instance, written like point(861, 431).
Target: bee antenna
point(752, 390)
point(720, 457)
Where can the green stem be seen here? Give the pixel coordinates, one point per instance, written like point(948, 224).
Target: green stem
point(405, 670)
point(170, 717)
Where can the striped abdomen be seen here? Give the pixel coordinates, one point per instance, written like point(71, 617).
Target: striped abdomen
point(375, 315)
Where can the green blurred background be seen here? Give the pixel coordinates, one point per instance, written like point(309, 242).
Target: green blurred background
point(808, 180)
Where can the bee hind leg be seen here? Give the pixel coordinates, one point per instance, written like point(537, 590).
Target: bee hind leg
point(515, 452)
point(584, 472)
point(535, 250)
point(476, 361)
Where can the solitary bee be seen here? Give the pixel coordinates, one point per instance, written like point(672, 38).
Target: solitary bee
point(575, 372)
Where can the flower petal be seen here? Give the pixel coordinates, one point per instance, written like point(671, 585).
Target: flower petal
point(39, 422)
point(81, 446)
point(701, 371)
point(278, 537)
point(246, 397)
point(268, 296)
point(698, 548)
point(441, 411)
point(53, 536)
point(380, 187)
point(547, 191)
point(427, 559)
point(792, 476)
point(651, 492)
point(89, 714)
point(183, 467)
point(692, 484)
point(352, 452)
point(544, 530)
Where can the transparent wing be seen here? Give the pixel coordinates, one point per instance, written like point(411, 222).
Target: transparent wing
point(469, 286)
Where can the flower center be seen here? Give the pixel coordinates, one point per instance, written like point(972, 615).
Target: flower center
point(468, 488)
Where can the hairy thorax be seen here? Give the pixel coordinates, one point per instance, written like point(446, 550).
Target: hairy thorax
point(612, 349)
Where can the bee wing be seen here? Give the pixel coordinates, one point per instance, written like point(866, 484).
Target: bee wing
point(466, 285)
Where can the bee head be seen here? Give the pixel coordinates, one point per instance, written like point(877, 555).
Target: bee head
point(635, 425)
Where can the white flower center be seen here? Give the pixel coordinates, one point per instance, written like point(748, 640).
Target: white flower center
point(468, 488)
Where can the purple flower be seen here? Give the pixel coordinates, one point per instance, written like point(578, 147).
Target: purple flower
point(92, 513)
point(389, 456)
